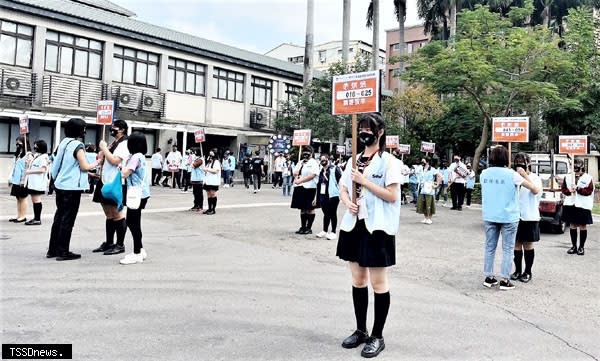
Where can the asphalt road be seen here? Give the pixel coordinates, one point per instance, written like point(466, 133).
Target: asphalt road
point(240, 285)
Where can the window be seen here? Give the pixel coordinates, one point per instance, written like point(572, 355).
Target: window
point(73, 55)
point(364, 52)
point(409, 48)
point(395, 47)
point(296, 59)
point(229, 85)
point(186, 77)
point(340, 51)
point(322, 56)
point(16, 43)
point(262, 92)
point(131, 66)
point(292, 91)
point(381, 60)
point(10, 129)
point(423, 43)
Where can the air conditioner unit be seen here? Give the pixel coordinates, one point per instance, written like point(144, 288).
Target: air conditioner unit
point(127, 100)
point(18, 85)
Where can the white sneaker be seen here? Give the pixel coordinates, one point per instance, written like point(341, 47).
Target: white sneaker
point(132, 258)
point(226, 186)
point(143, 253)
point(428, 221)
point(331, 236)
point(255, 191)
point(321, 234)
point(424, 220)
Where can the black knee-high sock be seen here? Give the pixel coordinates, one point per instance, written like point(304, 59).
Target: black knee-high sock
point(582, 237)
point(518, 260)
point(573, 232)
point(37, 211)
point(382, 306)
point(210, 204)
point(360, 298)
point(303, 220)
point(529, 256)
point(310, 219)
point(121, 229)
point(214, 203)
point(110, 231)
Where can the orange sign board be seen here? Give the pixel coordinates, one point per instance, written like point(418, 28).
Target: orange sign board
point(24, 124)
point(199, 136)
point(356, 93)
point(392, 141)
point(301, 137)
point(573, 144)
point(104, 112)
point(510, 129)
point(404, 148)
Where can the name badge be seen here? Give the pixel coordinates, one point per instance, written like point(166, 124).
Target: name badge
point(323, 188)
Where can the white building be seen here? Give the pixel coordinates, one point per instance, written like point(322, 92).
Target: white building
point(325, 54)
point(58, 58)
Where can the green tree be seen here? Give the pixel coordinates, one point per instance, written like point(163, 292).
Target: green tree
point(500, 68)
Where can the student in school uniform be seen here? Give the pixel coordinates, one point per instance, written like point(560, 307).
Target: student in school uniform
point(528, 231)
point(367, 231)
point(17, 177)
point(328, 196)
point(212, 180)
point(36, 180)
point(69, 171)
point(136, 174)
point(578, 189)
point(197, 179)
point(429, 180)
point(305, 189)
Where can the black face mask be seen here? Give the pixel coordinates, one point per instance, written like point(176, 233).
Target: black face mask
point(35, 149)
point(324, 163)
point(113, 132)
point(520, 165)
point(18, 145)
point(456, 160)
point(366, 138)
point(577, 169)
point(306, 156)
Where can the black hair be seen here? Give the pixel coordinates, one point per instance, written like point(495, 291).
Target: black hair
point(522, 156)
point(136, 143)
point(121, 124)
point(375, 122)
point(499, 156)
point(326, 155)
point(308, 148)
point(75, 128)
point(427, 159)
point(41, 146)
point(23, 149)
point(157, 150)
point(257, 152)
point(90, 147)
point(578, 162)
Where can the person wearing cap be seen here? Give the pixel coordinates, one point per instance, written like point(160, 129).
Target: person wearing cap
point(578, 188)
point(69, 171)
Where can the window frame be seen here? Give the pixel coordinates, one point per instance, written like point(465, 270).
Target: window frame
point(268, 91)
point(292, 90)
point(74, 48)
point(136, 59)
point(17, 35)
point(173, 69)
point(230, 77)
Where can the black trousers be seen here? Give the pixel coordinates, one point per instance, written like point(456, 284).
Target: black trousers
point(67, 206)
point(458, 194)
point(277, 179)
point(256, 180)
point(198, 195)
point(156, 173)
point(329, 208)
point(134, 223)
point(247, 179)
point(185, 179)
point(469, 194)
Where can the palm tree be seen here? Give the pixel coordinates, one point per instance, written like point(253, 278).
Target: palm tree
point(373, 22)
point(345, 33)
point(400, 11)
point(309, 43)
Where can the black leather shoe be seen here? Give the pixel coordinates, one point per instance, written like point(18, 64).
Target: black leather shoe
point(68, 256)
point(19, 220)
point(515, 276)
point(33, 222)
point(373, 347)
point(580, 251)
point(104, 247)
point(51, 254)
point(115, 250)
point(307, 231)
point(355, 340)
point(572, 250)
point(300, 230)
point(525, 277)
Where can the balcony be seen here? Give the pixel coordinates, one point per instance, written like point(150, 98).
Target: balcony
point(262, 118)
point(138, 102)
point(17, 87)
point(63, 92)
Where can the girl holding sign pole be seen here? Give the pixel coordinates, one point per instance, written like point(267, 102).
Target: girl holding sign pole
point(367, 231)
point(578, 188)
point(305, 189)
point(16, 181)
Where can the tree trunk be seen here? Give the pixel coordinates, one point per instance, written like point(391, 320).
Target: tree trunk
point(345, 51)
point(309, 43)
point(482, 143)
point(453, 9)
point(375, 55)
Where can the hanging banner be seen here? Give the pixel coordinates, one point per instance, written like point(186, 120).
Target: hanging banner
point(427, 147)
point(356, 93)
point(340, 149)
point(105, 112)
point(573, 144)
point(301, 137)
point(510, 129)
point(392, 141)
point(24, 124)
point(404, 148)
point(199, 135)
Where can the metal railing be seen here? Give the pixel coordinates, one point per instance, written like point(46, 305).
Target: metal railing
point(72, 93)
point(17, 87)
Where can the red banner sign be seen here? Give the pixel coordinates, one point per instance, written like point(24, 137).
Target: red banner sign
point(404, 148)
point(427, 147)
point(573, 144)
point(105, 112)
point(24, 124)
point(301, 137)
point(356, 93)
point(510, 129)
point(199, 136)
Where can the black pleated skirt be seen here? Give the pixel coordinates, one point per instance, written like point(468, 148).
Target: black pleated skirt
point(377, 249)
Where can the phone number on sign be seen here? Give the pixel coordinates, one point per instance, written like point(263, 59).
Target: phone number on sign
point(354, 94)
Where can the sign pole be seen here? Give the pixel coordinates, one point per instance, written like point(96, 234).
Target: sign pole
point(354, 150)
point(103, 131)
point(300, 154)
point(509, 154)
